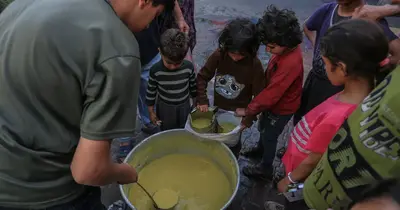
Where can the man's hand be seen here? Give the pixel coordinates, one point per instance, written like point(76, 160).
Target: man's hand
point(131, 177)
point(369, 12)
point(183, 26)
point(283, 185)
point(240, 112)
point(203, 108)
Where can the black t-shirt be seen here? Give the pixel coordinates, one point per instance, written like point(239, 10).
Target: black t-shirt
point(149, 42)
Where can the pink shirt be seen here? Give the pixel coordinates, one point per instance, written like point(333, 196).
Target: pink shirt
point(314, 132)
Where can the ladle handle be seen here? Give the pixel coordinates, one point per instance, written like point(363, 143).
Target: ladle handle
point(148, 194)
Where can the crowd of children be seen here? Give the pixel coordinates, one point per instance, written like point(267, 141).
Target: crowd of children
point(76, 88)
point(347, 64)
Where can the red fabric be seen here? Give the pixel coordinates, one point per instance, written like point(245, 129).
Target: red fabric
point(315, 131)
point(283, 93)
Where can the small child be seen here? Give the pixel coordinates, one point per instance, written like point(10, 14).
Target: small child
point(172, 83)
point(238, 72)
point(280, 32)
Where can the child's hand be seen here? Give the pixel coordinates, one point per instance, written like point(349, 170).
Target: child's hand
point(242, 127)
point(154, 119)
point(203, 108)
point(240, 112)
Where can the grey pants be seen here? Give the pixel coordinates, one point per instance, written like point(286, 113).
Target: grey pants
point(172, 116)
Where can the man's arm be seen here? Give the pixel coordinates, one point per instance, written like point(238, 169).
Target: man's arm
point(180, 20)
point(92, 165)
point(374, 13)
point(109, 111)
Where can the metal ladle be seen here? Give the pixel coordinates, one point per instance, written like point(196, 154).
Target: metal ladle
point(152, 199)
point(148, 194)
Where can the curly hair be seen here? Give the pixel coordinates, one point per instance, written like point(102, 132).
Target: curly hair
point(280, 27)
point(174, 45)
point(239, 35)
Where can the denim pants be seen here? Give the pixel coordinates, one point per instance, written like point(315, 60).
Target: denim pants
point(271, 126)
point(144, 78)
point(90, 200)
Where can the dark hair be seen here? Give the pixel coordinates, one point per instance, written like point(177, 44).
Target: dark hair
point(280, 27)
point(361, 45)
point(239, 35)
point(174, 45)
point(168, 4)
point(386, 188)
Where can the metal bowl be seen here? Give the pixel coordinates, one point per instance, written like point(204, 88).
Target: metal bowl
point(182, 141)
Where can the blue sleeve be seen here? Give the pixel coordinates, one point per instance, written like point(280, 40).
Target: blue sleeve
point(315, 21)
point(386, 29)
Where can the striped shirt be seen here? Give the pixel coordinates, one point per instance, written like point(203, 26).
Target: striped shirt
point(171, 86)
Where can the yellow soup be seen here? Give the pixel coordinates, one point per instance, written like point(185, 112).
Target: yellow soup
point(227, 127)
point(197, 181)
point(201, 123)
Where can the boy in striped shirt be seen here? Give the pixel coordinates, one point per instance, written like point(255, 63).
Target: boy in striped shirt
point(172, 83)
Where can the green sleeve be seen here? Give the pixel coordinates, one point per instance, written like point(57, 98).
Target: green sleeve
point(110, 105)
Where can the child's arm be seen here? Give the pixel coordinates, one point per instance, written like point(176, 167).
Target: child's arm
point(192, 83)
point(287, 73)
point(258, 85)
point(314, 23)
point(205, 75)
point(151, 95)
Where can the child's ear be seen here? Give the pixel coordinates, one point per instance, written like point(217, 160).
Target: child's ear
point(343, 68)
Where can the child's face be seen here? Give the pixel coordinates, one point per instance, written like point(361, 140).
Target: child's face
point(275, 49)
point(171, 65)
point(236, 56)
point(336, 73)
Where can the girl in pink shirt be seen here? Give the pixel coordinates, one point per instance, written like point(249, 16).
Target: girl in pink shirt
point(354, 52)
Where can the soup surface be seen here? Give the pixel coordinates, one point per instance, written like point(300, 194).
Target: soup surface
point(201, 123)
point(227, 127)
point(198, 182)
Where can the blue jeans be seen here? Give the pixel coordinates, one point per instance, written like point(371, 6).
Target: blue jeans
point(144, 78)
point(271, 126)
point(90, 200)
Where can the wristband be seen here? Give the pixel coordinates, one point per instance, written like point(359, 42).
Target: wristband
point(290, 178)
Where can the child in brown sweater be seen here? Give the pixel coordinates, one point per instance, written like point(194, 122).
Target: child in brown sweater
point(238, 72)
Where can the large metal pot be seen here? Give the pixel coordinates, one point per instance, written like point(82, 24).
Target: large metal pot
point(181, 141)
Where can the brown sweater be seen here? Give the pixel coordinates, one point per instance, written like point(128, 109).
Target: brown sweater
point(236, 83)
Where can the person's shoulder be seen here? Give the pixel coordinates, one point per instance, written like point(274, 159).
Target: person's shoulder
point(187, 65)
point(159, 66)
point(326, 7)
point(257, 65)
point(329, 5)
point(216, 54)
point(293, 59)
